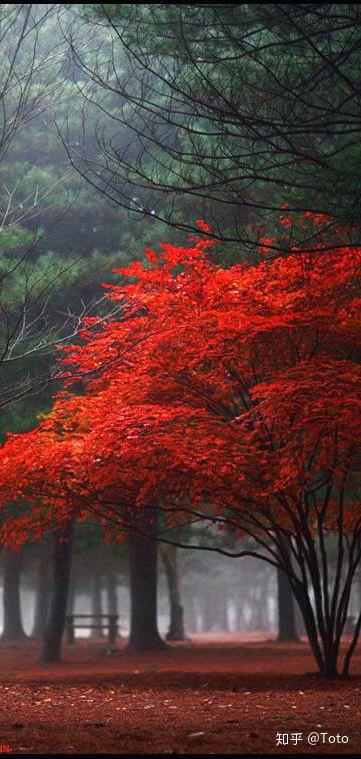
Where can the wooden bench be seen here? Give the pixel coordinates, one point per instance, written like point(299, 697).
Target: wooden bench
point(110, 620)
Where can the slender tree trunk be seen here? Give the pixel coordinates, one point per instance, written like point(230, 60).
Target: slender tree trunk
point(70, 607)
point(55, 623)
point(287, 631)
point(176, 626)
point(96, 598)
point(111, 592)
point(112, 600)
point(42, 593)
point(13, 629)
point(144, 635)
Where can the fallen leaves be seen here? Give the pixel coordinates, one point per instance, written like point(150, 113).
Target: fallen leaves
point(133, 716)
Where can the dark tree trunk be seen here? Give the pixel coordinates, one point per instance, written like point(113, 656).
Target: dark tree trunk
point(144, 635)
point(55, 623)
point(287, 631)
point(42, 593)
point(70, 607)
point(111, 592)
point(96, 598)
point(13, 629)
point(176, 626)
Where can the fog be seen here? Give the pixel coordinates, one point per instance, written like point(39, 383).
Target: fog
point(220, 595)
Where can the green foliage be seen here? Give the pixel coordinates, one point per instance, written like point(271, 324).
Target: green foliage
point(234, 109)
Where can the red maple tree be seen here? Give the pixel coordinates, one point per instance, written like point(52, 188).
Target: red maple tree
point(224, 396)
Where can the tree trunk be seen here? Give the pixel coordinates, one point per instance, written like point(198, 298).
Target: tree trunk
point(70, 607)
point(13, 629)
point(287, 631)
point(96, 598)
point(144, 635)
point(111, 592)
point(176, 626)
point(55, 623)
point(42, 593)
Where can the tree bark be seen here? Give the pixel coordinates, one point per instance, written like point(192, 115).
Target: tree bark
point(55, 623)
point(144, 635)
point(176, 626)
point(13, 628)
point(42, 593)
point(287, 631)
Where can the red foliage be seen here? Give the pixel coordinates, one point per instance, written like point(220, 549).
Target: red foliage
point(226, 394)
point(232, 382)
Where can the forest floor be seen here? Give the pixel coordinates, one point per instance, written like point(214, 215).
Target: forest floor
point(209, 695)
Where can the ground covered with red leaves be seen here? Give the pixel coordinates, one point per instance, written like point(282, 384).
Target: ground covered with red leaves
point(204, 696)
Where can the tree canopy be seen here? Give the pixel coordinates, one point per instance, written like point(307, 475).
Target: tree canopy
point(227, 397)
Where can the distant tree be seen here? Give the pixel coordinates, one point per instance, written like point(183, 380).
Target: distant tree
point(31, 81)
point(55, 236)
point(238, 108)
point(176, 624)
point(13, 626)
